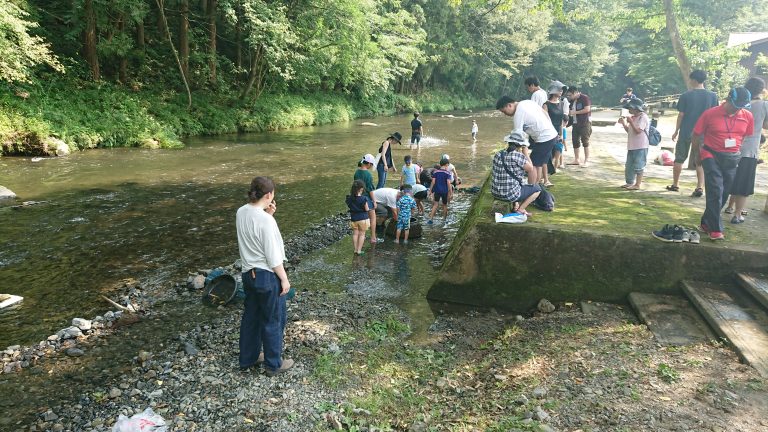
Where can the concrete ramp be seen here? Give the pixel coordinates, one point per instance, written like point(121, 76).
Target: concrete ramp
point(756, 284)
point(737, 317)
point(672, 319)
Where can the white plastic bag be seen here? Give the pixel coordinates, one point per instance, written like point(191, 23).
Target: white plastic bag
point(511, 218)
point(143, 422)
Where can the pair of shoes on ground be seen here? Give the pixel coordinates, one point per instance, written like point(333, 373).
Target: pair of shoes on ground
point(676, 234)
point(287, 364)
point(713, 235)
point(630, 187)
point(359, 253)
point(697, 193)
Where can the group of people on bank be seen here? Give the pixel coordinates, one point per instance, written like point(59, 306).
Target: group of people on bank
point(721, 139)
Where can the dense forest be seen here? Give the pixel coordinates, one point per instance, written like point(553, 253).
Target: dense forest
point(103, 73)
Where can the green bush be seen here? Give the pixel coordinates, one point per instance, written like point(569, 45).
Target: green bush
point(90, 115)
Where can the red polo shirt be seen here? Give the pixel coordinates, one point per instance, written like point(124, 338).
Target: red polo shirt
point(716, 126)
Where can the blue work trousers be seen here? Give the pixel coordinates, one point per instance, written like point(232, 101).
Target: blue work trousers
point(263, 322)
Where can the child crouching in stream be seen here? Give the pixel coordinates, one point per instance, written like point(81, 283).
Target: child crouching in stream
point(358, 215)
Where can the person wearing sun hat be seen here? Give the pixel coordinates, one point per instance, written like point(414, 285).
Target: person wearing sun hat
point(507, 171)
point(385, 161)
point(719, 133)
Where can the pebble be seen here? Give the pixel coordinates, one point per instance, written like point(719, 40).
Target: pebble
point(539, 392)
point(545, 306)
point(114, 393)
point(190, 349)
point(75, 352)
point(540, 414)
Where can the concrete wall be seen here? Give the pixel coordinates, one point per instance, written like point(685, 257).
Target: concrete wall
point(513, 266)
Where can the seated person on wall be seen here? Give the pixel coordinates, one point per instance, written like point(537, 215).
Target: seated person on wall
point(386, 204)
point(509, 167)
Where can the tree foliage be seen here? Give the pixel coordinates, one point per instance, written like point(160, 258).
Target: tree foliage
point(20, 50)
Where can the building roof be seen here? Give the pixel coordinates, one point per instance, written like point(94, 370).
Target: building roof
point(747, 38)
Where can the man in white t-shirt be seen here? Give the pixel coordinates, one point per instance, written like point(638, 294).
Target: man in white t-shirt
point(386, 204)
point(538, 94)
point(265, 282)
point(531, 119)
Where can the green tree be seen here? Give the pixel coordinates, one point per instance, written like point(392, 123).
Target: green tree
point(21, 51)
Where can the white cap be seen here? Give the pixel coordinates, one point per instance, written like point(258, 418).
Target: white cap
point(369, 159)
point(445, 156)
point(516, 137)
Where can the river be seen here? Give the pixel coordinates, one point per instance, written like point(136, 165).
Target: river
point(152, 216)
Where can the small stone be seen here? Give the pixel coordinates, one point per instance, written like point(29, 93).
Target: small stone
point(75, 352)
point(71, 332)
point(190, 349)
point(543, 428)
point(109, 316)
point(540, 414)
point(198, 282)
point(50, 416)
point(81, 323)
point(53, 338)
point(519, 318)
point(58, 427)
point(333, 348)
point(134, 392)
point(521, 400)
point(539, 392)
point(114, 393)
point(545, 306)
point(144, 356)
point(156, 393)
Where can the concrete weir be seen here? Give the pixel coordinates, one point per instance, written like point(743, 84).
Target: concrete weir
point(512, 266)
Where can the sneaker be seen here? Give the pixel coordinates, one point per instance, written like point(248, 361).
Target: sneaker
point(405, 241)
point(677, 234)
point(429, 222)
point(728, 210)
point(397, 241)
point(737, 219)
point(697, 193)
point(287, 364)
point(686, 236)
point(703, 228)
point(695, 237)
point(664, 234)
point(716, 235)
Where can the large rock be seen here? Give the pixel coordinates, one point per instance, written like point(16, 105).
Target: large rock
point(81, 323)
point(6, 193)
point(414, 233)
point(55, 146)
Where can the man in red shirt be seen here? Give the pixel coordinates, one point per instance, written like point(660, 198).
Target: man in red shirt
point(718, 133)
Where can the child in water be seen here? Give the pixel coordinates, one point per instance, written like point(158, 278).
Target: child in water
point(405, 204)
point(409, 175)
point(358, 214)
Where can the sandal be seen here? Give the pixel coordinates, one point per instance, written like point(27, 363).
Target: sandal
point(514, 207)
point(698, 192)
point(633, 187)
point(728, 210)
point(744, 212)
point(737, 220)
point(673, 188)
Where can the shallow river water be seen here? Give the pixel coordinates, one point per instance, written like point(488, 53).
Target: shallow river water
point(154, 216)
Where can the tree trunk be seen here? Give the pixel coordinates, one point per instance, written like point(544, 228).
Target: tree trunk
point(212, 41)
point(677, 42)
point(256, 74)
point(140, 38)
point(161, 9)
point(123, 60)
point(89, 40)
point(238, 45)
point(184, 37)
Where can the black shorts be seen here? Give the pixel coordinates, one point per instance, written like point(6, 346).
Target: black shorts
point(420, 195)
point(541, 152)
point(441, 196)
point(744, 180)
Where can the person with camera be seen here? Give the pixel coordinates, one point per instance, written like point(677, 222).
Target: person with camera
point(636, 124)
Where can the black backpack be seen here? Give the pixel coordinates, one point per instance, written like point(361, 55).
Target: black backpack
point(545, 201)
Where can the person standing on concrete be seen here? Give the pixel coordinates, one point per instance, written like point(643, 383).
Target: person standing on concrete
point(744, 181)
point(690, 106)
point(538, 94)
point(530, 118)
point(417, 130)
point(581, 109)
point(265, 282)
point(719, 133)
point(385, 161)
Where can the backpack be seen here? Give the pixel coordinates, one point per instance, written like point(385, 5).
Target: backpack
point(654, 136)
point(545, 201)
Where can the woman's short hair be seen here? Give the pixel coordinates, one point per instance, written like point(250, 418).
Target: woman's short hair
point(260, 186)
point(755, 86)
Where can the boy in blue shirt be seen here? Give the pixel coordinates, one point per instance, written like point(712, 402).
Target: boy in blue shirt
point(405, 204)
point(441, 189)
point(408, 173)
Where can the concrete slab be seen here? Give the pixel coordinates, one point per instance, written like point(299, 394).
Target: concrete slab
point(672, 319)
point(737, 317)
point(755, 284)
